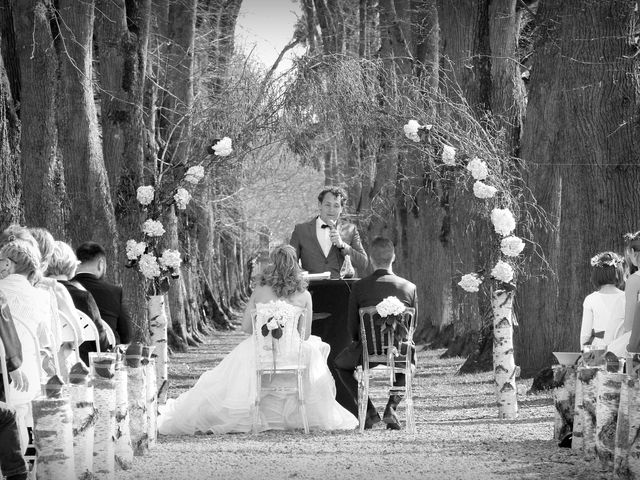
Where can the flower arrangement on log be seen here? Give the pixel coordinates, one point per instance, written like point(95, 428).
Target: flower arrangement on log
point(502, 273)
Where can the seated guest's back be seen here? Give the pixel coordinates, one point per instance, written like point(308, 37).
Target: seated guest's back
point(62, 267)
point(108, 297)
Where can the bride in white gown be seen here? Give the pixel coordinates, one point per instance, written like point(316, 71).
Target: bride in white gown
point(222, 399)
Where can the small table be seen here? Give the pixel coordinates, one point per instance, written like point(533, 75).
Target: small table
point(330, 305)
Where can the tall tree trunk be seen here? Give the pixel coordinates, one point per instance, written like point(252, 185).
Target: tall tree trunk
point(584, 149)
point(91, 211)
point(10, 211)
point(44, 194)
point(122, 33)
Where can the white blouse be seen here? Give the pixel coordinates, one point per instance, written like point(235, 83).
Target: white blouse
point(602, 312)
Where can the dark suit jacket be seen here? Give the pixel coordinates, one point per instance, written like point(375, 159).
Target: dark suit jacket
point(305, 241)
point(110, 302)
point(84, 302)
point(371, 290)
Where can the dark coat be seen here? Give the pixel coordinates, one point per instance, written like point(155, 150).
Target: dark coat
point(110, 302)
point(309, 251)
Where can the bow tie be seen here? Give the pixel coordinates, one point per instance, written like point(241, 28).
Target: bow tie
point(324, 225)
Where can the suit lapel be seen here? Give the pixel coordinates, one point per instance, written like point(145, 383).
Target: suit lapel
point(311, 227)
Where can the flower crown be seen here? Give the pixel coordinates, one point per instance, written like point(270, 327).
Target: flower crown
point(606, 259)
point(630, 237)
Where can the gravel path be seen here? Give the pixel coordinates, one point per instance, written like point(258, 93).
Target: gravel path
point(458, 436)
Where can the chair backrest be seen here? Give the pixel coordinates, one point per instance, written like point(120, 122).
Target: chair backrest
point(89, 330)
point(374, 337)
point(31, 363)
point(285, 351)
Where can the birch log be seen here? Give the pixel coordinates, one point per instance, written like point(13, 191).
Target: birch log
point(152, 402)
point(504, 366)
point(123, 448)
point(588, 378)
point(137, 393)
point(81, 395)
point(564, 377)
point(620, 468)
point(53, 433)
point(104, 385)
point(633, 458)
point(608, 401)
point(158, 334)
point(578, 415)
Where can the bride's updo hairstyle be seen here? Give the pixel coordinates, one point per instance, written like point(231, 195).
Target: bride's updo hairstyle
point(283, 274)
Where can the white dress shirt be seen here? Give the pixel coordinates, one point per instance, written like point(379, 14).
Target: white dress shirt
point(323, 236)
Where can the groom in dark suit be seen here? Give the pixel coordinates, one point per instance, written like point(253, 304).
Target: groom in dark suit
point(368, 292)
point(322, 243)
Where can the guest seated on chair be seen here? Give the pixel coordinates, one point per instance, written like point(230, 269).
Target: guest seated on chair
point(62, 267)
point(12, 463)
point(322, 243)
point(108, 297)
point(368, 292)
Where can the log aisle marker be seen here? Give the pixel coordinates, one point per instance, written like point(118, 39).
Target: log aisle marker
point(588, 378)
point(504, 366)
point(564, 378)
point(81, 395)
point(608, 401)
point(104, 389)
point(137, 393)
point(620, 468)
point(53, 433)
point(158, 333)
point(149, 362)
point(577, 440)
point(123, 448)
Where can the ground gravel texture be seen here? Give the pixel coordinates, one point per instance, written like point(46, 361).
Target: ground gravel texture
point(458, 436)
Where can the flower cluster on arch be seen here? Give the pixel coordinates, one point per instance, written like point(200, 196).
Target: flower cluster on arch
point(502, 219)
point(157, 268)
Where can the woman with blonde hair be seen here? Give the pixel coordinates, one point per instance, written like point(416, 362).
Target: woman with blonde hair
point(223, 398)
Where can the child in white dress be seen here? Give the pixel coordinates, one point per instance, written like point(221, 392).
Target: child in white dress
point(603, 310)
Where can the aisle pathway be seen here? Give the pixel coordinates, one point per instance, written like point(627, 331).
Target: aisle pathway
point(458, 436)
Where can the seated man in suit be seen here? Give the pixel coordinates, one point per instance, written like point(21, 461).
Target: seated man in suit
point(108, 297)
point(368, 292)
point(322, 243)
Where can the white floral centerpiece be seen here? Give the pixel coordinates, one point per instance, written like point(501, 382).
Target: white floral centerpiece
point(390, 310)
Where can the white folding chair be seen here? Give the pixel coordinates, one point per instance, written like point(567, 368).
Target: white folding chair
point(70, 335)
point(89, 330)
point(285, 373)
point(379, 346)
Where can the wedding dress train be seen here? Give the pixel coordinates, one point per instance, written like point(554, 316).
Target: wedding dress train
point(222, 399)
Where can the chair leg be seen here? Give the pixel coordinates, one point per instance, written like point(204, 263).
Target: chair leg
point(256, 403)
point(301, 403)
point(408, 389)
point(363, 396)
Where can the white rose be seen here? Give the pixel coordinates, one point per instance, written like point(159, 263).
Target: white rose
point(390, 306)
point(448, 155)
point(182, 198)
point(470, 282)
point(145, 194)
point(152, 228)
point(478, 169)
point(411, 130)
point(135, 249)
point(512, 246)
point(194, 174)
point(503, 221)
point(223, 147)
point(482, 190)
point(149, 266)
point(170, 259)
point(502, 271)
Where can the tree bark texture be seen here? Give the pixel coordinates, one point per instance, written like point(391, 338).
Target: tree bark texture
point(588, 377)
point(608, 403)
point(564, 379)
point(43, 188)
point(583, 153)
point(53, 437)
point(91, 210)
point(620, 465)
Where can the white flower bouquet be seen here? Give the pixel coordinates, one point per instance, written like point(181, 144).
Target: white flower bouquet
point(502, 272)
point(152, 228)
point(482, 190)
point(470, 282)
point(503, 221)
point(478, 169)
point(222, 148)
point(145, 194)
point(512, 246)
point(182, 198)
point(194, 174)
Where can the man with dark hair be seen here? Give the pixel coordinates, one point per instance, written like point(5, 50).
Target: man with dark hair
point(368, 292)
point(108, 297)
point(322, 243)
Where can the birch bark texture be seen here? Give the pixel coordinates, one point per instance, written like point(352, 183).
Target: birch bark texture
point(103, 371)
point(504, 366)
point(81, 397)
point(564, 400)
point(158, 323)
point(608, 402)
point(123, 448)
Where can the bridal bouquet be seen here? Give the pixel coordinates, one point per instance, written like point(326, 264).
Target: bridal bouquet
point(390, 310)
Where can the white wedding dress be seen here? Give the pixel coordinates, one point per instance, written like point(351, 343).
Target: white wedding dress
point(222, 399)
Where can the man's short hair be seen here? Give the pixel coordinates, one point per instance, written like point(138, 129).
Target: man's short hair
point(382, 251)
point(336, 192)
point(90, 251)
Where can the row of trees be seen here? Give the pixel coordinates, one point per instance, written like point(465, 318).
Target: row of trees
point(546, 92)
